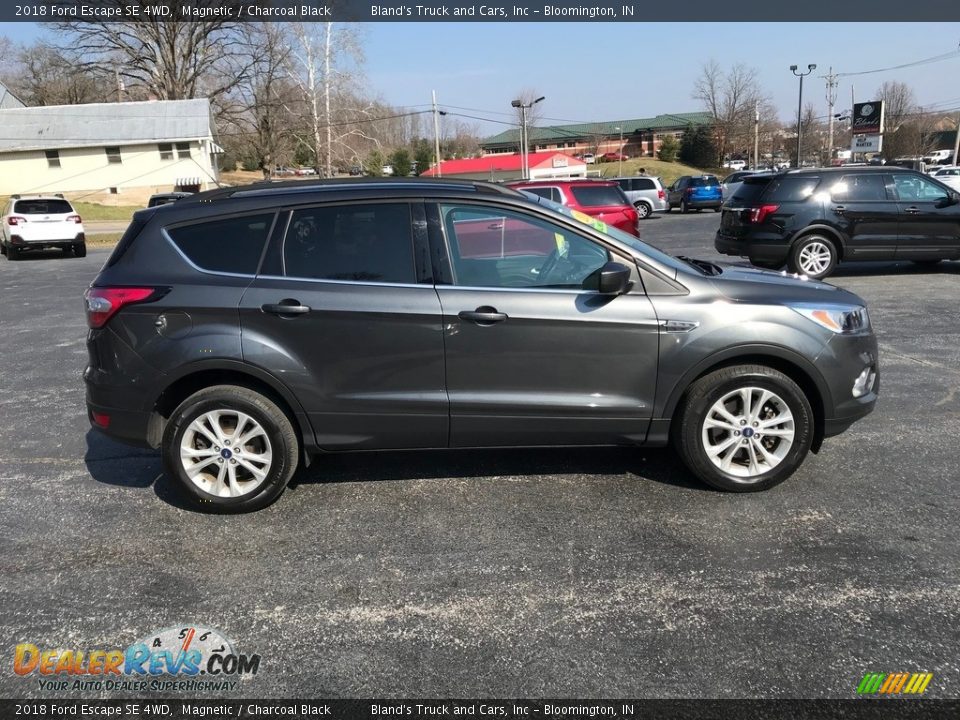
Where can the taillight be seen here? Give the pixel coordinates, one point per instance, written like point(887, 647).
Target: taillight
point(104, 303)
point(74, 218)
point(758, 214)
point(688, 191)
point(16, 220)
point(661, 195)
point(632, 214)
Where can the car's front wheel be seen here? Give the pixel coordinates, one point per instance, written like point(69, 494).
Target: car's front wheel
point(230, 448)
point(744, 428)
point(814, 256)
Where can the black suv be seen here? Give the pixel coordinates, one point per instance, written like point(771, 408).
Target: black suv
point(245, 330)
point(811, 220)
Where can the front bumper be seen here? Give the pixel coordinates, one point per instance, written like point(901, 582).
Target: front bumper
point(843, 359)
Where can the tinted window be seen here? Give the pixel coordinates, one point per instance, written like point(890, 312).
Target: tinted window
point(550, 193)
point(789, 188)
point(625, 184)
point(224, 245)
point(598, 195)
point(500, 248)
point(859, 188)
point(644, 184)
point(751, 189)
point(363, 243)
point(917, 188)
point(704, 181)
point(42, 206)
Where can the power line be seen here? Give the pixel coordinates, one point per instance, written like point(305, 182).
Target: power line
point(915, 63)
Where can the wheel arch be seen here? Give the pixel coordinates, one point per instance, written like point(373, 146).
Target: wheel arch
point(202, 375)
point(831, 232)
point(794, 366)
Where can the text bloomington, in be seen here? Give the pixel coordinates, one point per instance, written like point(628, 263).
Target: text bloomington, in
point(546, 11)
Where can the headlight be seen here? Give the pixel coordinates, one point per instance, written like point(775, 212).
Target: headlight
point(841, 319)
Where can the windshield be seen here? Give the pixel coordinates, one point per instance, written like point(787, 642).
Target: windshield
point(630, 241)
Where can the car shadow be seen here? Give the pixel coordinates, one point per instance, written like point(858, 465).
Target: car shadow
point(898, 267)
point(113, 463)
point(46, 253)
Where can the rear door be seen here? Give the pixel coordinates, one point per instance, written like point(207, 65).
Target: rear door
point(865, 210)
point(705, 189)
point(535, 355)
point(344, 312)
point(929, 227)
point(605, 202)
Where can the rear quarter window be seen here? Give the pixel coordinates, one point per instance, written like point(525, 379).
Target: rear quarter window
point(42, 207)
point(598, 196)
point(751, 190)
point(231, 245)
point(790, 189)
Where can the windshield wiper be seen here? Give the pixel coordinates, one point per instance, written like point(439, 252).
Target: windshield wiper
point(708, 268)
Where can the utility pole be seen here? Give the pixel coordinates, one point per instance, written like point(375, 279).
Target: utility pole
point(436, 134)
point(956, 142)
point(756, 136)
point(116, 72)
point(832, 83)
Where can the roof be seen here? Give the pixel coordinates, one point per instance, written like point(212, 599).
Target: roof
point(8, 99)
point(61, 126)
point(497, 163)
point(561, 132)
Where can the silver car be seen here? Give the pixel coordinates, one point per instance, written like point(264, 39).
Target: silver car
point(645, 192)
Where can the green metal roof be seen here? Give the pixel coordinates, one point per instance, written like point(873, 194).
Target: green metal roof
point(586, 130)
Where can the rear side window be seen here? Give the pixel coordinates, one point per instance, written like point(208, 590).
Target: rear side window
point(229, 245)
point(598, 195)
point(550, 193)
point(644, 184)
point(790, 188)
point(42, 206)
point(363, 243)
point(859, 188)
point(751, 189)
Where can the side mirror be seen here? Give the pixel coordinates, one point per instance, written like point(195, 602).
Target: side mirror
point(952, 199)
point(614, 278)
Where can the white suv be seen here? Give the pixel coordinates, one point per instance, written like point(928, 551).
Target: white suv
point(34, 222)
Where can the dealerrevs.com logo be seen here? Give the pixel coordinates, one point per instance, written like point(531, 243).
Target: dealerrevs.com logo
point(183, 658)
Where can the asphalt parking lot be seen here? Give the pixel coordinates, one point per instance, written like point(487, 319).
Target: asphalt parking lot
point(547, 573)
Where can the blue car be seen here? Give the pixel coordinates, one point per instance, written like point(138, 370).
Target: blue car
point(695, 192)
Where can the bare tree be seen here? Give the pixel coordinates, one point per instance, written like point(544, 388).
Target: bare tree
point(901, 135)
point(41, 75)
point(325, 64)
point(731, 98)
point(165, 59)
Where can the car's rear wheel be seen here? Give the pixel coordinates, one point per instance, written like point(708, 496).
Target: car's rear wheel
point(66, 250)
point(684, 208)
point(13, 253)
point(643, 210)
point(80, 249)
point(814, 256)
point(230, 448)
point(744, 428)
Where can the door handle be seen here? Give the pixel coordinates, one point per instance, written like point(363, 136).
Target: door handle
point(912, 210)
point(287, 306)
point(483, 315)
point(839, 209)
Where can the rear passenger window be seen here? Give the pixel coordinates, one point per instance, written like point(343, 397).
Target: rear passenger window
point(598, 195)
point(229, 245)
point(643, 184)
point(550, 193)
point(363, 243)
point(859, 188)
point(790, 189)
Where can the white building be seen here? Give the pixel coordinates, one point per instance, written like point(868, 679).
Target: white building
point(131, 148)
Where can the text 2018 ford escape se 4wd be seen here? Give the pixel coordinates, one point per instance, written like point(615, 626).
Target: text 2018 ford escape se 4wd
point(246, 330)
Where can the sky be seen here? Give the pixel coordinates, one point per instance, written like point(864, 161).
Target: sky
point(610, 71)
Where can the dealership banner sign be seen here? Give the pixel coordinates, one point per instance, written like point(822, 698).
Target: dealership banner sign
point(868, 118)
point(867, 143)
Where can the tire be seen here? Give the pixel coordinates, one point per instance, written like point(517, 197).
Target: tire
point(814, 256)
point(67, 250)
point(3, 248)
point(80, 249)
point(701, 433)
point(683, 207)
point(270, 434)
point(13, 253)
point(717, 209)
point(643, 210)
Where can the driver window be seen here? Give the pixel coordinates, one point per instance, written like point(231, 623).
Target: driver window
point(506, 249)
point(914, 188)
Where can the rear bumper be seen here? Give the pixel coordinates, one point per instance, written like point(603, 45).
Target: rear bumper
point(766, 250)
point(128, 426)
point(29, 244)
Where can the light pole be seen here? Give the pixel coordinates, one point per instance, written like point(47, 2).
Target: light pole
point(524, 141)
point(801, 75)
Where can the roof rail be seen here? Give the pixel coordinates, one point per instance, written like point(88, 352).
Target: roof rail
point(291, 187)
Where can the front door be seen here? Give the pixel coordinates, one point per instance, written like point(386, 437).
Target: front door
point(929, 223)
point(534, 354)
point(344, 316)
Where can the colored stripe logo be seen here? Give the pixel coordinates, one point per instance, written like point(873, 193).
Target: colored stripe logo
point(894, 683)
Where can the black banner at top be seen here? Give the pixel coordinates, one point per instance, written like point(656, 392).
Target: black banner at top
point(638, 11)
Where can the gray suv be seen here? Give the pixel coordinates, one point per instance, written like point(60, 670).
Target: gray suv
point(247, 331)
point(646, 193)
